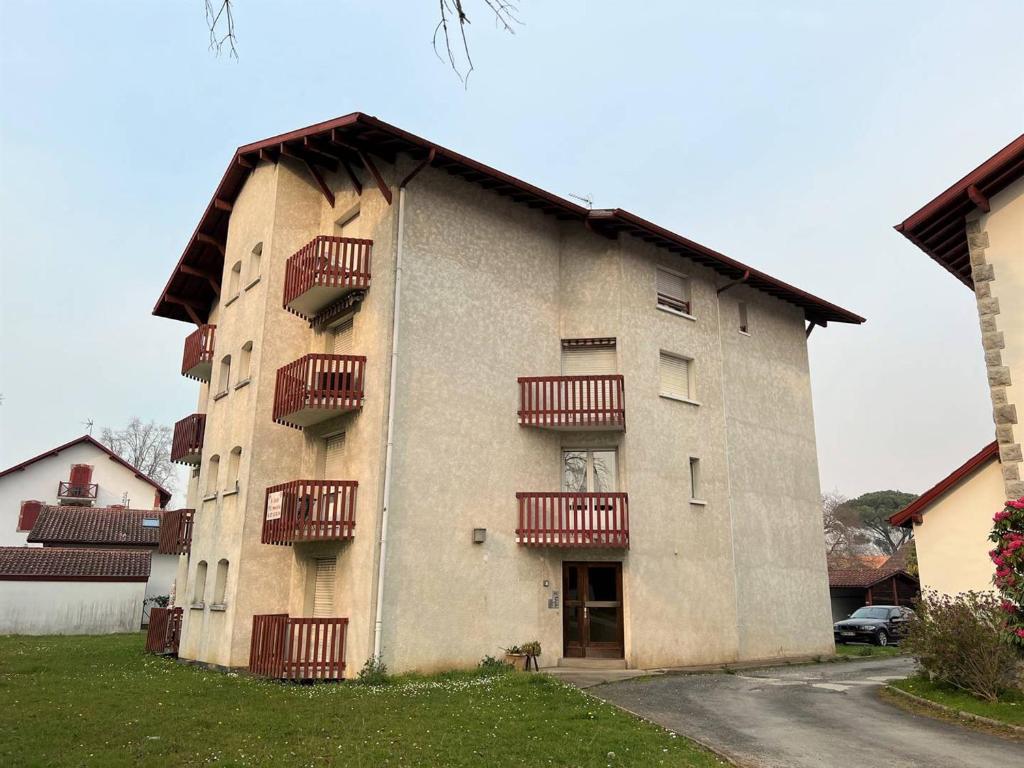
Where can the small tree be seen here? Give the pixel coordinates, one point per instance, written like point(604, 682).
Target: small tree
point(147, 447)
point(1008, 556)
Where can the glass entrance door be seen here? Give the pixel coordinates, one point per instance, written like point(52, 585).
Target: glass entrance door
point(592, 610)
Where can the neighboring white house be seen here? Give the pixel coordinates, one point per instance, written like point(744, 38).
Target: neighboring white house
point(52, 591)
point(83, 472)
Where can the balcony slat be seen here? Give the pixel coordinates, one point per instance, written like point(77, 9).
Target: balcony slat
point(573, 520)
point(337, 264)
point(164, 633)
point(572, 402)
point(187, 443)
point(197, 359)
point(311, 510)
point(298, 648)
point(176, 532)
point(318, 383)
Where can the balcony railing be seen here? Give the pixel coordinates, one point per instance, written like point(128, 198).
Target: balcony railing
point(318, 387)
point(310, 510)
point(187, 443)
point(572, 402)
point(289, 648)
point(323, 271)
point(77, 493)
point(176, 532)
point(197, 360)
point(164, 633)
point(573, 520)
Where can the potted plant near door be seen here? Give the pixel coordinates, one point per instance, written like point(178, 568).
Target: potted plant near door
point(515, 656)
point(532, 651)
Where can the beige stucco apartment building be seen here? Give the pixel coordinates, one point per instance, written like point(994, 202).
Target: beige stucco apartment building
point(442, 411)
point(975, 230)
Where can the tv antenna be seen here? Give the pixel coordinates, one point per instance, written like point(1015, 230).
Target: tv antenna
point(585, 199)
point(88, 425)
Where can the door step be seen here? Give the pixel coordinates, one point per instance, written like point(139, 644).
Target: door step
point(576, 663)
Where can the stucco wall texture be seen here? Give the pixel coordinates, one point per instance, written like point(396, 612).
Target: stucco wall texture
point(489, 289)
point(70, 607)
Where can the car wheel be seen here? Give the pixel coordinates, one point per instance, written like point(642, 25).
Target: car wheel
point(882, 638)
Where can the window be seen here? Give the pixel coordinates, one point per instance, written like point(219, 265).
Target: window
point(199, 587)
point(589, 470)
point(342, 340)
point(150, 522)
point(244, 363)
point(220, 583)
point(348, 225)
point(323, 587)
point(676, 377)
point(212, 470)
point(673, 291)
point(234, 280)
point(254, 264)
point(588, 357)
point(696, 491)
point(744, 325)
point(234, 459)
point(334, 457)
point(225, 375)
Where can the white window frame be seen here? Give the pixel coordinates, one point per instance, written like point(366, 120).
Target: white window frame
point(691, 378)
point(696, 481)
point(590, 451)
point(689, 289)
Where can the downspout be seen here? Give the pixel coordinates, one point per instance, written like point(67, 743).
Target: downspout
point(378, 623)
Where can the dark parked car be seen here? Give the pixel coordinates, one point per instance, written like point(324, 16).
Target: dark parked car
point(878, 624)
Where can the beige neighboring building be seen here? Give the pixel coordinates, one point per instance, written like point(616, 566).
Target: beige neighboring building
point(442, 411)
point(975, 230)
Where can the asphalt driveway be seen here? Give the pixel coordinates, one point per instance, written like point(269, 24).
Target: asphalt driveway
point(813, 716)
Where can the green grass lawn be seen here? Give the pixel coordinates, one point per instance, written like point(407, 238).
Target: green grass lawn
point(1008, 710)
point(863, 649)
point(71, 701)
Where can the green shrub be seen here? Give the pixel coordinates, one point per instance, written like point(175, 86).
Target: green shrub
point(961, 641)
point(491, 664)
point(374, 672)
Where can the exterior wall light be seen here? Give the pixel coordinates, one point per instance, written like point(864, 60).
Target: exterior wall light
point(479, 535)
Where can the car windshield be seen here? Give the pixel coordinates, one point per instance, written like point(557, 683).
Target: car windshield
point(870, 613)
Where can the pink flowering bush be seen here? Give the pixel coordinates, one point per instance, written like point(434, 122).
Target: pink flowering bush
point(1008, 557)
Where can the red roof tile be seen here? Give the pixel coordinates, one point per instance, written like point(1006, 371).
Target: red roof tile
point(863, 576)
point(54, 564)
point(165, 495)
point(96, 525)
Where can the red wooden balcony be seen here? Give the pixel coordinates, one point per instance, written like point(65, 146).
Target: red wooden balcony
point(573, 520)
point(572, 402)
point(164, 633)
point(187, 443)
point(315, 388)
point(176, 532)
point(287, 648)
point(310, 510)
point(77, 493)
point(197, 360)
point(323, 271)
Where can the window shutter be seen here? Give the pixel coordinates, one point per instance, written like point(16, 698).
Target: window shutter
point(81, 474)
point(343, 338)
point(675, 376)
point(323, 588)
point(588, 361)
point(28, 514)
point(335, 457)
point(672, 291)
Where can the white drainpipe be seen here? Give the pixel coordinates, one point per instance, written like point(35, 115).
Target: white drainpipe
point(378, 623)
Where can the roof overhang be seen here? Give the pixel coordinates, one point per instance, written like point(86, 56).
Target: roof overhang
point(939, 228)
point(351, 144)
point(914, 512)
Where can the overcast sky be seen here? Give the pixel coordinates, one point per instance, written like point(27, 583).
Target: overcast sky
point(789, 138)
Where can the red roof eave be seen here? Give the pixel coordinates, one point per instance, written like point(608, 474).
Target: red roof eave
point(913, 512)
point(371, 133)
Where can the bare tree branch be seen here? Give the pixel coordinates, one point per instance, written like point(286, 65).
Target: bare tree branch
point(215, 14)
point(146, 446)
point(505, 16)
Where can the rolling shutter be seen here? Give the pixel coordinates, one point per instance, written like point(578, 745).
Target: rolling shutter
point(323, 588)
point(588, 361)
point(334, 465)
point(674, 374)
point(343, 341)
point(673, 291)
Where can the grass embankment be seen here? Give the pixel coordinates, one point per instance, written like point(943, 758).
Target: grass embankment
point(70, 701)
point(1009, 709)
point(863, 650)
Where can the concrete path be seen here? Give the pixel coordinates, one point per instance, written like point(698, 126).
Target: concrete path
point(813, 716)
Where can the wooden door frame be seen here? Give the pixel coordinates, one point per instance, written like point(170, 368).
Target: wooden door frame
point(584, 649)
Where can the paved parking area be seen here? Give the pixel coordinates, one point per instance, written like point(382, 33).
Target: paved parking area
point(813, 716)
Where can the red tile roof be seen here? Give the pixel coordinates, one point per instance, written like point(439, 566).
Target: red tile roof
point(939, 228)
point(95, 525)
point(53, 564)
point(354, 137)
point(165, 495)
point(912, 513)
point(863, 576)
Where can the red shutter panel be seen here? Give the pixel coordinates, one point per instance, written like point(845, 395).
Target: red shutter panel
point(28, 514)
point(81, 474)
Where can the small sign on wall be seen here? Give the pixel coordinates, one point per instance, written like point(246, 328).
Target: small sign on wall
point(553, 600)
point(274, 502)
